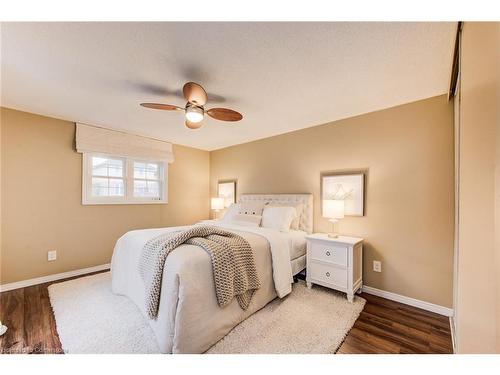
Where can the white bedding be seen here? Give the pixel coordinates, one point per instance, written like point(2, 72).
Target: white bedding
point(280, 245)
point(298, 243)
point(189, 319)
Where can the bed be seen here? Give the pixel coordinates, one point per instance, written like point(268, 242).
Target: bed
point(189, 318)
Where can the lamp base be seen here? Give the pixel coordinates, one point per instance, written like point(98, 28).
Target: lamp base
point(333, 234)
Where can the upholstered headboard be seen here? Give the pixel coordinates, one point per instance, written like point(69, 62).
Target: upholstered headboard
point(306, 221)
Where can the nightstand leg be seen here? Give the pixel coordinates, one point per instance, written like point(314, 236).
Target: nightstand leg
point(350, 297)
point(309, 285)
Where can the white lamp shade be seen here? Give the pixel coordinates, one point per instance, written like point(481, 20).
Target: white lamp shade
point(217, 203)
point(333, 208)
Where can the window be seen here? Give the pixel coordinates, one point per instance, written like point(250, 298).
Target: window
point(109, 179)
point(146, 179)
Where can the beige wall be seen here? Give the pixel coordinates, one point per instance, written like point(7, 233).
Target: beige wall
point(41, 200)
point(497, 227)
point(478, 313)
point(408, 152)
point(497, 231)
point(497, 204)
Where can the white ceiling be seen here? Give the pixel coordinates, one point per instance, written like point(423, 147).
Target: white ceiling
point(280, 76)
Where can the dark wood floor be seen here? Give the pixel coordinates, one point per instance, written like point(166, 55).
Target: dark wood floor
point(386, 326)
point(383, 327)
point(31, 325)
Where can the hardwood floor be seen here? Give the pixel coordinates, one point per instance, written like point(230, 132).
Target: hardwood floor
point(383, 327)
point(31, 325)
point(386, 326)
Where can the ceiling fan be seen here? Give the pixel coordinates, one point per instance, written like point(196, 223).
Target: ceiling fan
point(194, 110)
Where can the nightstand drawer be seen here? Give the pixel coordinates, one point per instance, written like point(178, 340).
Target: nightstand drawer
point(328, 274)
point(331, 253)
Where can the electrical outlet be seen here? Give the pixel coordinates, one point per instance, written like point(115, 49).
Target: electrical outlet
point(377, 266)
point(51, 255)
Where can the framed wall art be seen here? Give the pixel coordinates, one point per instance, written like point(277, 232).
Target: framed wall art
point(349, 186)
point(227, 189)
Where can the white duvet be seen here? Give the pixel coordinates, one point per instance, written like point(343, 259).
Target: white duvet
point(189, 318)
point(279, 243)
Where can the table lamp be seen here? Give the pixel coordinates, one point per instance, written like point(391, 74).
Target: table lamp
point(217, 204)
point(333, 209)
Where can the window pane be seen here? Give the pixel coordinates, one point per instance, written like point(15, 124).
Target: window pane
point(116, 187)
point(139, 170)
point(115, 168)
point(107, 187)
point(102, 166)
point(148, 171)
point(146, 189)
point(99, 187)
point(99, 166)
point(152, 171)
point(154, 188)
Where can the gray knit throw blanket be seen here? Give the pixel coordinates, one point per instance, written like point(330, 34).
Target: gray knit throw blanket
point(235, 273)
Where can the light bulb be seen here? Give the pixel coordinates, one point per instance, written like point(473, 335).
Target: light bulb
point(194, 114)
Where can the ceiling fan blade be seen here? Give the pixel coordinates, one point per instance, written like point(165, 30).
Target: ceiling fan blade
point(195, 94)
point(166, 107)
point(193, 125)
point(224, 114)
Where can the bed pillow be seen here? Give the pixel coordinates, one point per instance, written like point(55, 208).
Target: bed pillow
point(299, 207)
point(231, 212)
point(279, 218)
point(247, 220)
point(251, 208)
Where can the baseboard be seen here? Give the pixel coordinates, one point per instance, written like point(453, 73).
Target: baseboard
point(446, 311)
point(453, 334)
point(54, 277)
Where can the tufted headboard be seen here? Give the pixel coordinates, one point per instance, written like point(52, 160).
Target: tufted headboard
point(306, 221)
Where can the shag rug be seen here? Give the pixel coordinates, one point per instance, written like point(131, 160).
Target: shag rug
point(91, 319)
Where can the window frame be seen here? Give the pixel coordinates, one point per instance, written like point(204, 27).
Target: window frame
point(128, 178)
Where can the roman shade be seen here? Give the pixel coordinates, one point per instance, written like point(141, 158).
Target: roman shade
point(94, 139)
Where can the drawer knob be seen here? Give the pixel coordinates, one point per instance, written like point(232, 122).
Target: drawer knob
point(328, 254)
point(328, 274)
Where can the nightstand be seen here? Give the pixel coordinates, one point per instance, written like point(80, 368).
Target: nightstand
point(336, 263)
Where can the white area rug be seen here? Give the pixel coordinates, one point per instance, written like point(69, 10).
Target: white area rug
point(91, 319)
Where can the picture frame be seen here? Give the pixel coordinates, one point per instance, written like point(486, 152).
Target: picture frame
point(227, 189)
point(348, 185)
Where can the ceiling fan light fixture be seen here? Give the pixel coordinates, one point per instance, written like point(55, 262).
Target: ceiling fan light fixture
point(194, 110)
point(194, 114)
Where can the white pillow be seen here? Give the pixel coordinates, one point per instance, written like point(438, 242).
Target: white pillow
point(247, 220)
point(231, 212)
point(279, 218)
point(299, 207)
point(251, 208)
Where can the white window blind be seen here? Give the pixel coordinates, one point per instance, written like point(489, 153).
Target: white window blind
point(105, 141)
point(122, 168)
